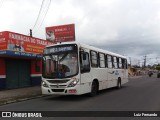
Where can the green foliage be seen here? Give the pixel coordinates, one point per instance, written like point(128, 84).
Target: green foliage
point(158, 68)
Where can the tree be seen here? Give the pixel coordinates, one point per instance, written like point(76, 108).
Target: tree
point(158, 67)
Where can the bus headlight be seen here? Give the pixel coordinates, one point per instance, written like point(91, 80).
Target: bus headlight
point(44, 84)
point(73, 83)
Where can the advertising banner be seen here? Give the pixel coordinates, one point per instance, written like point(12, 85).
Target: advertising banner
point(62, 33)
point(22, 43)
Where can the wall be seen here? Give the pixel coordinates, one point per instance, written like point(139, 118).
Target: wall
point(36, 72)
point(2, 74)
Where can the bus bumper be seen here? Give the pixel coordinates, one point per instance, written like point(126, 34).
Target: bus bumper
point(61, 91)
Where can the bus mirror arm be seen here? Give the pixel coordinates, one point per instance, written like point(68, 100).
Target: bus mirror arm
point(84, 55)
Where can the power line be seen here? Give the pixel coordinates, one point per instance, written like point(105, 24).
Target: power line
point(1, 3)
point(44, 16)
point(38, 14)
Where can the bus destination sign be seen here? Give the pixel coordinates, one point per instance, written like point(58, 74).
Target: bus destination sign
point(58, 49)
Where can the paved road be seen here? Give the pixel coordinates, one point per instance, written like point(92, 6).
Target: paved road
point(139, 94)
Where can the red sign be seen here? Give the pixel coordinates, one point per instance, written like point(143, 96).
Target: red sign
point(22, 43)
point(3, 42)
point(63, 33)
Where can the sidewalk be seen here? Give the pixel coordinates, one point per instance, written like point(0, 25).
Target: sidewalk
point(15, 95)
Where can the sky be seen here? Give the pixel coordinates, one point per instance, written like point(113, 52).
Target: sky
point(127, 27)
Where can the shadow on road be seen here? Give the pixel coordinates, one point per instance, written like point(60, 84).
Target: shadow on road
point(82, 97)
point(109, 90)
point(68, 97)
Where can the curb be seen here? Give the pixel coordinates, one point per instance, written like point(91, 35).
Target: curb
point(14, 100)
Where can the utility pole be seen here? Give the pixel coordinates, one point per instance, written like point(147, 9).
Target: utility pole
point(31, 32)
point(130, 61)
point(145, 61)
point(139, 63)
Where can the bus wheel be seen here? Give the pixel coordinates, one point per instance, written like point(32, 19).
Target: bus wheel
point(94, 89)
point(119, 83)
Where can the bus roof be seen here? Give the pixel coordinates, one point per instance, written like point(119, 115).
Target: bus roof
point(90, 48)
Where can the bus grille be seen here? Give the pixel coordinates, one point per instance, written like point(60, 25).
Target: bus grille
point(58, 81)
point(57, 90)
point(58, 86)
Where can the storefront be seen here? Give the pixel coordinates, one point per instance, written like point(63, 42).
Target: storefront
point(20, 60)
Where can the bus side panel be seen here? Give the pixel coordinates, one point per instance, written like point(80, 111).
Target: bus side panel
point(86, 79)
point(118, 73)
point(107, 78)
point(110, 77)
point(101, 75)
point(95, 73)
point(125, 79)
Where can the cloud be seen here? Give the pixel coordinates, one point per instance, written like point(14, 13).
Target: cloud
point(129, 27)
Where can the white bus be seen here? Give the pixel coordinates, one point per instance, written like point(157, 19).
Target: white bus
point(75, 69)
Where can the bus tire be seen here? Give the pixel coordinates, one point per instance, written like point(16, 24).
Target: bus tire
point(119, 83)
point(94, 89)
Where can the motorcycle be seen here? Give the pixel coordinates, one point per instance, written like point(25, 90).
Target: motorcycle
point(150, 74)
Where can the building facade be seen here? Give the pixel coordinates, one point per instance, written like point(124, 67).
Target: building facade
point(20, 60)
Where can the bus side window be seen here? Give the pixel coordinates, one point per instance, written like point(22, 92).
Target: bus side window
point(106, 61)
point(109, 61)
point(115, 62)
point(124, 64)
point(102, 60)
point(84, 62)
point(119, 63)
point(94, 59)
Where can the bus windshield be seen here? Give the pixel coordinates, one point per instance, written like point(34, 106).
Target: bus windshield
point(61, 65)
